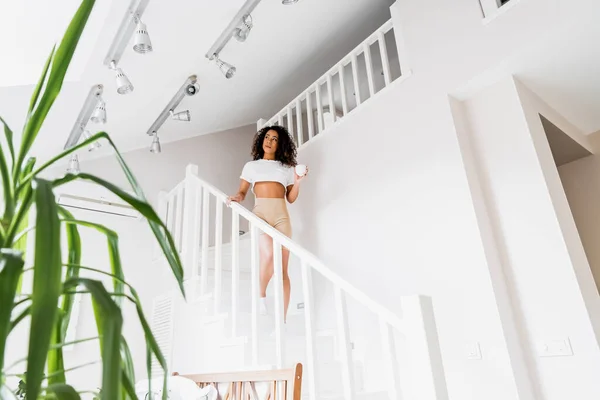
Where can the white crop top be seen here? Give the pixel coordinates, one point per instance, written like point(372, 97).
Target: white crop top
point(268, 171)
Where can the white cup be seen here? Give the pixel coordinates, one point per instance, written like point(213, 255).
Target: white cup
point(300, 170)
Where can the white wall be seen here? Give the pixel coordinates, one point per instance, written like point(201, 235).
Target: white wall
point(581, 182)
point(388, 204)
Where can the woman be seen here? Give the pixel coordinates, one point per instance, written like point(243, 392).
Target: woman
point(273, 178)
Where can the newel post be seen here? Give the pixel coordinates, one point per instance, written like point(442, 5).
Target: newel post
point(190, 220)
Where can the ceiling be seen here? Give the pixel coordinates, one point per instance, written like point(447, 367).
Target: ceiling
point(289, 47)
point(563, 68)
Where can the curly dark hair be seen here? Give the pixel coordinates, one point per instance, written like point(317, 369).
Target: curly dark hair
point(286, 148)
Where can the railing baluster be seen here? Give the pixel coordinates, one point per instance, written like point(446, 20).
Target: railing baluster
point(345, 348)
point(356, 80)
point(171, 213)
point(205, 239)
point(385, 61)
point(309, 115)
point(254, 264)
point(343, 89)
point(218, 255)
point(319, 109)
point(235, 270)
point(390, 359)
point(280, 120)
point(369, 62)
point(163, 208)
point(279, 312)
point(330, 98)
point(310, 331)
point(299, 122)
point(179, 218)
point(197, 224)
point(290, 120)
point(189, 217)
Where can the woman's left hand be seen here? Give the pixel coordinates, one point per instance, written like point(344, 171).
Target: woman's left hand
point(298, 178)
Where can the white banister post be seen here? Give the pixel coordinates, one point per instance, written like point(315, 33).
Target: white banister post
point(356, 80)
point(254, 265)
point(369, 63)
point(330, 98)
point(162, 214)
point(310, 331)
point(309, 115)
point(290, 120)
point(188, 217)
point(261, 124)
point(343, 89)
point(390, 359)
point(427, 381)
point(299, 122)
point(345, 347)
point(385, 59)
point(179, 218)
point(403, 56)
point(235, 270)
point(320, 123)
point(279, 311)
point(205, 239)
point(195, 240)
point(218, 255)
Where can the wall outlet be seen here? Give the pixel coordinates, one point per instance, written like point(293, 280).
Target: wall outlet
point(473, 351)
point(300, 306)
point(555, 348)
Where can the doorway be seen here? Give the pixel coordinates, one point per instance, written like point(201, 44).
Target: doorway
point(579, 172)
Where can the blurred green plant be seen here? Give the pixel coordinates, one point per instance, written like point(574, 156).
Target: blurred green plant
point(56, 276)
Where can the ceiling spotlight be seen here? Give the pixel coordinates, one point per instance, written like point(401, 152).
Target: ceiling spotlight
point(73, 165)
point(99, 114)
point(181, 116)
point(155, 147)
point(124, 86)
point(93, 146)
point(288, 2)
point(227, 69)
point(242, 33)
point(141, 41)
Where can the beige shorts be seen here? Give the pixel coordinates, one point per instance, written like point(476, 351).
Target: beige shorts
point(274, 212)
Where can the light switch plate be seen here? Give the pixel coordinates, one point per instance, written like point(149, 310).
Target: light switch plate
point(473, 351)
point(555, 348)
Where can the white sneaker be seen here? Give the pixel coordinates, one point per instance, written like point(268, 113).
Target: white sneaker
point(262, 306)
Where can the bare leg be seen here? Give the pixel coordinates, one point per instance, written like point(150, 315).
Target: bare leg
point(266, 263)
point(287, 287)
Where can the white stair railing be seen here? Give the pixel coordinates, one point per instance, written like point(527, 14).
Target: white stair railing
point(417, 323)
point(378, 73)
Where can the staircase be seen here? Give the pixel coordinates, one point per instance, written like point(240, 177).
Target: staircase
point(351, 347)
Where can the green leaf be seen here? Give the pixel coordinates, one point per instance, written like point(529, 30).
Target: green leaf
point(46, 284)
point(128, 388)
point(11, 267)
point(128, 369)
point(63, 392)
point(60, 64)
point(109, 321)
point(7, 189)
point(40, 84)
point(160, 230)
point(56, 364)
point(8, 134)
point(74, 258)
point(113, 249)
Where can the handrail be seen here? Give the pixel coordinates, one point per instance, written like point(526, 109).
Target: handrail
point(311, 259)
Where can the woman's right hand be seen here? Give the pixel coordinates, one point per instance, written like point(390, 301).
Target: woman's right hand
point(238, 198)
